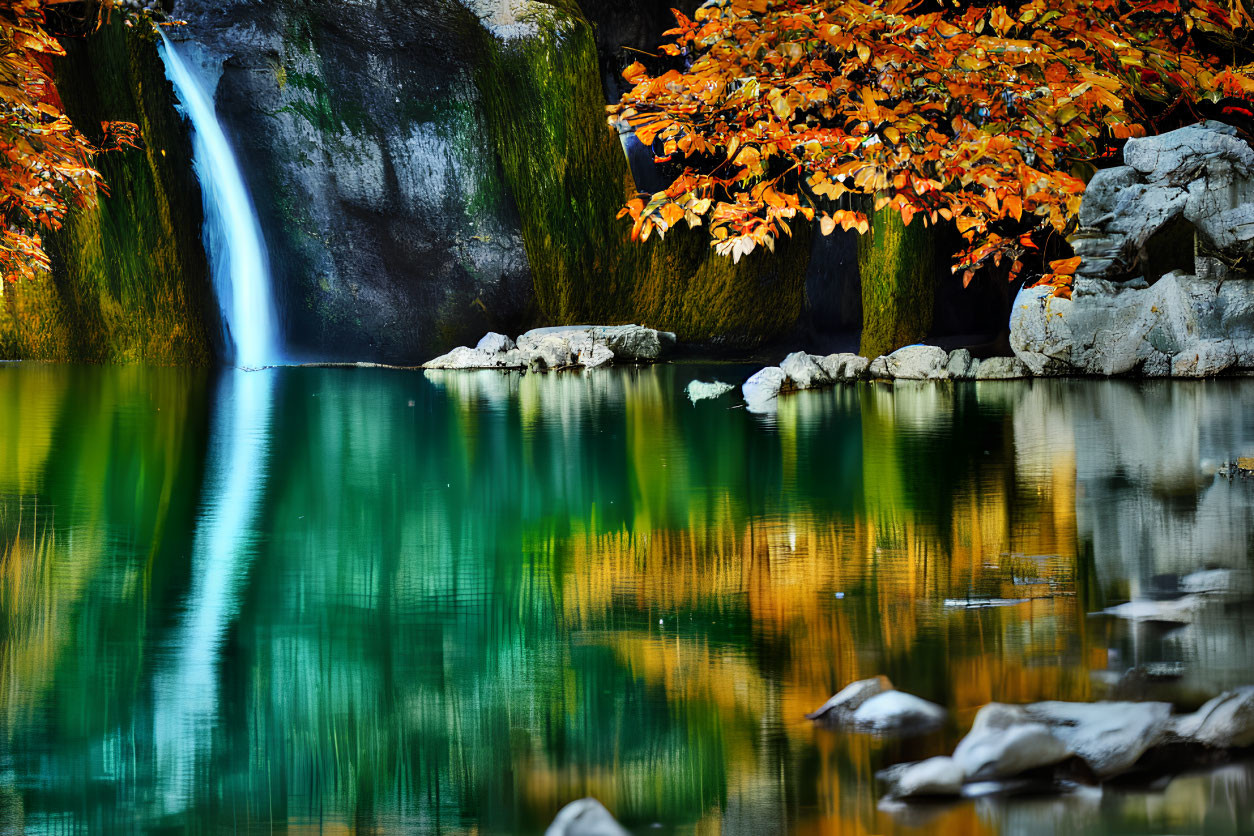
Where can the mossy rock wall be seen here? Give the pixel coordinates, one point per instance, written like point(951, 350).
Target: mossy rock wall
point(543, 93)
point(897, 266)
point(129, 280)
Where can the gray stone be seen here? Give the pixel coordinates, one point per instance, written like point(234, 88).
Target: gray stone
point(1218, 582)
point(959, 364)
point(1225, 722)
point(939, 776)
point(494, 343)
point(763, 387)
point(804, 371)
point(1001, 368)
point(918, 362)
point(1153, 294)
point(1109, 736)
point(850, 698)
point(462, 358)
point(628, 342)
point(593, 355)
point(546, 351)
point(1004, 742)
point(1178, 611)
point(585, 817)
point(856, 367)
point(844, 366)
point(878, 369)
point(700, 390)
point(898, 712)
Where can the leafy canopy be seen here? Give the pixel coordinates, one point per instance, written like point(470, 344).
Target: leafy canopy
point(45, 162)
point(976, 117)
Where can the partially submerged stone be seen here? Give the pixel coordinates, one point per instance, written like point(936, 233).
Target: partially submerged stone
point(462, 358)
point(1225, 722)
point(1176, 611)
point(897, 712)
point(1109, 736)
point(804, 371)
point(1004, 742)
point(763, 387)
point(934, 777)
point(844, 366)
point(850, 698)
point(918, 362)
point(1001, 368)
point(585, 817)
point(628, 342)
point(959, 364)
point(700, 390)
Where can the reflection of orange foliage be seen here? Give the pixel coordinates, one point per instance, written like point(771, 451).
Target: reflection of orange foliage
point(895, 569)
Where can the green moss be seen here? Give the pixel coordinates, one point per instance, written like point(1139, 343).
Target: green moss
point(569, 177)
point(897, 266)
point(129, 278)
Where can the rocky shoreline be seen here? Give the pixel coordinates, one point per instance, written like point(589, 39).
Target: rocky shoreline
point(560, 347)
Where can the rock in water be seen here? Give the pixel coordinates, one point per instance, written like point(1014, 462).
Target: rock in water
point(762, 388)
point(1109, 736)
point(959, 364)
point(933, 777)
point(462, 358)
point(848, 699)
point(898, 712)
point(1226, 722)
point(1004, 741)
point(1178, 611)
point(585, 817)
point(918, 362)
point(592, 355)
point(628, 342)
point(1001, 368)
point(804, 371)
point(700, 390)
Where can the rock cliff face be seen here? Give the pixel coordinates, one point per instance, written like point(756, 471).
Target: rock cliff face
point(364, 139)
point(1164, 287)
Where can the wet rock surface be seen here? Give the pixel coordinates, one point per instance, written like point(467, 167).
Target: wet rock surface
point(874, 705)
point(542, 349)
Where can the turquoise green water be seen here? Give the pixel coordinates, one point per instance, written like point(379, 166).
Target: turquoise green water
point(359, 601)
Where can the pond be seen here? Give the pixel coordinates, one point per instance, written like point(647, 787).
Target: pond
point(350, 600)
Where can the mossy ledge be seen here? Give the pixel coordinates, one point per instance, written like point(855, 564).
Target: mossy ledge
point(569, 177)
point(129, 279)
point(896, 264)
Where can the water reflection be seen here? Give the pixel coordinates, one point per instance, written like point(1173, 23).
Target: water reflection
point(185, 695)
point(420, 603)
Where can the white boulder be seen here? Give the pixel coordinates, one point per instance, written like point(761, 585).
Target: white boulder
point(938, 776)
point(804, 371)
point(494, 343)
point(897, 711)
point(918, 362)
point(1004, 742)
point(585, 817)
point(763, 387)
point(700, 390)
point(850, 698)
point(1109, 736)
point(1226, 722)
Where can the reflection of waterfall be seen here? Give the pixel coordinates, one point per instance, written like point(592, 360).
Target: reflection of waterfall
point(237, 256)
point(185, 693)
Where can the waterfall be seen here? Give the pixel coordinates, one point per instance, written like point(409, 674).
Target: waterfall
point(233, 241)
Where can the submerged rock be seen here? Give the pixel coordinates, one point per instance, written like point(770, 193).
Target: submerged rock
point(850, 698)
point(1226, 722)
point(898, 712)
point(940, 776)
point(874, 705)
point(1177, 611)
point(700, 390)
point(1005, 741)
point(1109, 736)
point(763, 387)
point(585, 817)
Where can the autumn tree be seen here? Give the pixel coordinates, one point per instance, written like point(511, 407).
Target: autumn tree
point(883, 114)
point(45, 161)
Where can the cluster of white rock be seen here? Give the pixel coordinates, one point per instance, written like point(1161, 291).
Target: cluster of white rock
point(560, 347)
point(1111, 738)
point(874, 705)
point(914, 362)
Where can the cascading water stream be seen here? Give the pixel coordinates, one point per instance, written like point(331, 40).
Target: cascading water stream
point(233, 241)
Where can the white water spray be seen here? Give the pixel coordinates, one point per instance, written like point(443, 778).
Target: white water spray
point(233, 242)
